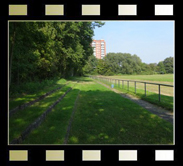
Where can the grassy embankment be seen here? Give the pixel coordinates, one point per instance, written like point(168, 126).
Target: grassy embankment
point(19, 121)
point(30, 91)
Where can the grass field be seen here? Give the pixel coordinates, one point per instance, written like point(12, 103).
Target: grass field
point(101, 117)
point(161, 78)
point(167, 93)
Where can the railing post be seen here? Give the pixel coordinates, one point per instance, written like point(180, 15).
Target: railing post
point(145, 87)
point(159, 93)
point(128, 85)
point(123, 84)
point(135, 87)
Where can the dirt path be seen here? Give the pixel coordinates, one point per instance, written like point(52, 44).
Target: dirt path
point(164, 114)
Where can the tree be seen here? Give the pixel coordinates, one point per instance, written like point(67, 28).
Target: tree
point(153, 67)
point(103, 68)
point(12, 32)
point(44, 50)
point(123, 63)
point(168, 65)
point(91, 65)
point(161, 68)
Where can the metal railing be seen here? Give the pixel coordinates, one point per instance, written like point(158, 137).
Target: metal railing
point(122, 81)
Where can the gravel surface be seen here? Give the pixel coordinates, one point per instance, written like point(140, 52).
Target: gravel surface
point(162, 113)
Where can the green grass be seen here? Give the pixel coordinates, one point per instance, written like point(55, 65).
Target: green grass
point(104, 117)
point(20, 99)
point(30, 87)
point(21, 119)
point(156, 77)
point(101, 117)
point(165, 101)
point(54, 128)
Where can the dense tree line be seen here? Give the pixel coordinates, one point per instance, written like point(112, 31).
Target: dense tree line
point(44, 50)
point(125, 63)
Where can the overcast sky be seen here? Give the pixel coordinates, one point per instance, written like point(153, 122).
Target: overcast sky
point(152, 41)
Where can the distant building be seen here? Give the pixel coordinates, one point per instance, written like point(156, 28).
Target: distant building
point(99, 48)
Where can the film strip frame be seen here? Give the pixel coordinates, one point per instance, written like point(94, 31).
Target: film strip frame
point(30, 155)
point(98, 10)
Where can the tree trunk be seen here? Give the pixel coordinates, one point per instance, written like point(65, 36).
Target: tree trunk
point(11, 52)
point(18, 75)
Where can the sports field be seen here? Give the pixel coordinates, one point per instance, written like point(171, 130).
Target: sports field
point(162, 79)
point(148, 92)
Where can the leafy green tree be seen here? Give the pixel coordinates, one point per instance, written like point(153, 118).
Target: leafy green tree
point(44, 50)
point(153, 67)
point(168, 64)
point(123, 63)
point(91, 65)
point(161, 68)
point(103, 68)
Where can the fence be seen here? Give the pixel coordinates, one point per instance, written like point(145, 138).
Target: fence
point(110, 80)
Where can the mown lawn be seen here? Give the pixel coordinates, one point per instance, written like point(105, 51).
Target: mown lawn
point(104, 117)
point(162, 78)
point(101, 117)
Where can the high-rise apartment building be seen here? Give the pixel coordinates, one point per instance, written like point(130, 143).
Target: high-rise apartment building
point(99, 48)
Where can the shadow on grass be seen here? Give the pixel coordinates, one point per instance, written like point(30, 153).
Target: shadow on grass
point(23, 98)
point(82, 79)
point(53, 129)
point(24, 95)
point(19, 121)
point(101, 117)
point(165, 101)
point(29, 88)
point(108, 120)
